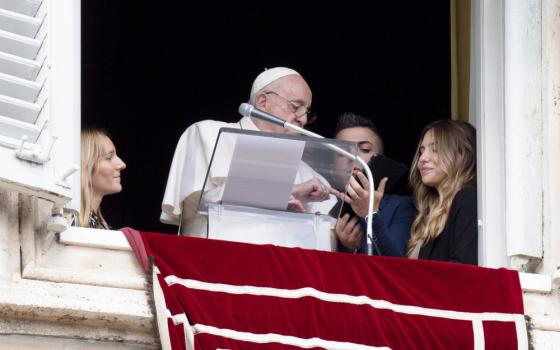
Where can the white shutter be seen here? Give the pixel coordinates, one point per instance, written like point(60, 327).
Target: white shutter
point(40, 97)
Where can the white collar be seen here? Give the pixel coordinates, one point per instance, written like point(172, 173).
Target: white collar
point(247, 124)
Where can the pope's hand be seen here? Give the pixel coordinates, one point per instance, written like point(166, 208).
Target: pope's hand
point(312, 190)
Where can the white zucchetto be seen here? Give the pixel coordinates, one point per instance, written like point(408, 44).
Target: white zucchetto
point(268, 76)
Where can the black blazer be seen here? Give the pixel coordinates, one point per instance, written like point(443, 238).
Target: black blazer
point(459, 240)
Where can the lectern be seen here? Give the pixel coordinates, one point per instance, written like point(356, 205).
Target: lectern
point(253, 185)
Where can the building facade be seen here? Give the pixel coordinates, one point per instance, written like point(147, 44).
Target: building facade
point(73, 288)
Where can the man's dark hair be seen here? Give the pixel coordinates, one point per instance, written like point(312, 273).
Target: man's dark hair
point(352, 120)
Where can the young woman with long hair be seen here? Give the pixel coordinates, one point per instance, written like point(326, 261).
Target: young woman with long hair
point(443, 177)
point(100, 175)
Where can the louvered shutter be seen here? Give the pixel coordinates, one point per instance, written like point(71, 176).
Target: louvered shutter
point(40, 97)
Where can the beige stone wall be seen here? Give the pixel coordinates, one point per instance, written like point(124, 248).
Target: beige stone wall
point(9, 239)
point(18, 342)
point(544, 308)
point(66, 296)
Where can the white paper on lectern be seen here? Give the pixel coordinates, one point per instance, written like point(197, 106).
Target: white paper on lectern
point(262, 172)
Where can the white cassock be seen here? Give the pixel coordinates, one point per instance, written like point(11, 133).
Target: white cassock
point(188, 172)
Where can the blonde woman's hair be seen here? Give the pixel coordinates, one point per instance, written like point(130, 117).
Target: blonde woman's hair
point(455, 142)
point(91, 152)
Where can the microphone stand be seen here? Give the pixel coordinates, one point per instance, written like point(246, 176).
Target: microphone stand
point(247, 110)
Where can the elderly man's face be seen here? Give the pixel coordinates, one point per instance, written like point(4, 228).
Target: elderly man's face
point(283, 99)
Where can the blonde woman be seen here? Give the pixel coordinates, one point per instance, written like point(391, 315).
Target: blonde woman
point(443, 177)
point(100, 175)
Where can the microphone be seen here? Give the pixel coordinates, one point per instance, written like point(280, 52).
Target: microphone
point(248, 110)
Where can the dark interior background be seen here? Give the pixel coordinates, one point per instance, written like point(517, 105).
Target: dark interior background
point(150, 69)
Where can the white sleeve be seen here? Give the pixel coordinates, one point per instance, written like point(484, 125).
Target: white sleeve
point(188, 171)
point(186, 174)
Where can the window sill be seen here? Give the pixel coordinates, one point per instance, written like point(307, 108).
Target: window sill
point(84, 256)
point(535, 283)
point(93, 238)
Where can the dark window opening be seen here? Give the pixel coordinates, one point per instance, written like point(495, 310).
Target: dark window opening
point(150, 70)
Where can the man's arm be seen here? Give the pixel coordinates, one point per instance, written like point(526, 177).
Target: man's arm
point(312, 190)
point(392, 226)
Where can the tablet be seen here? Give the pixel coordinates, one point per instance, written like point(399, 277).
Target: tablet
point(382, 166)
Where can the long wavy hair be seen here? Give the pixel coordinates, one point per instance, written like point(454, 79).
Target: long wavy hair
point(456, 148)
point(91, 152)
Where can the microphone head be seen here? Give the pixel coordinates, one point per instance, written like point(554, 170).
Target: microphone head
point(245, 109)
